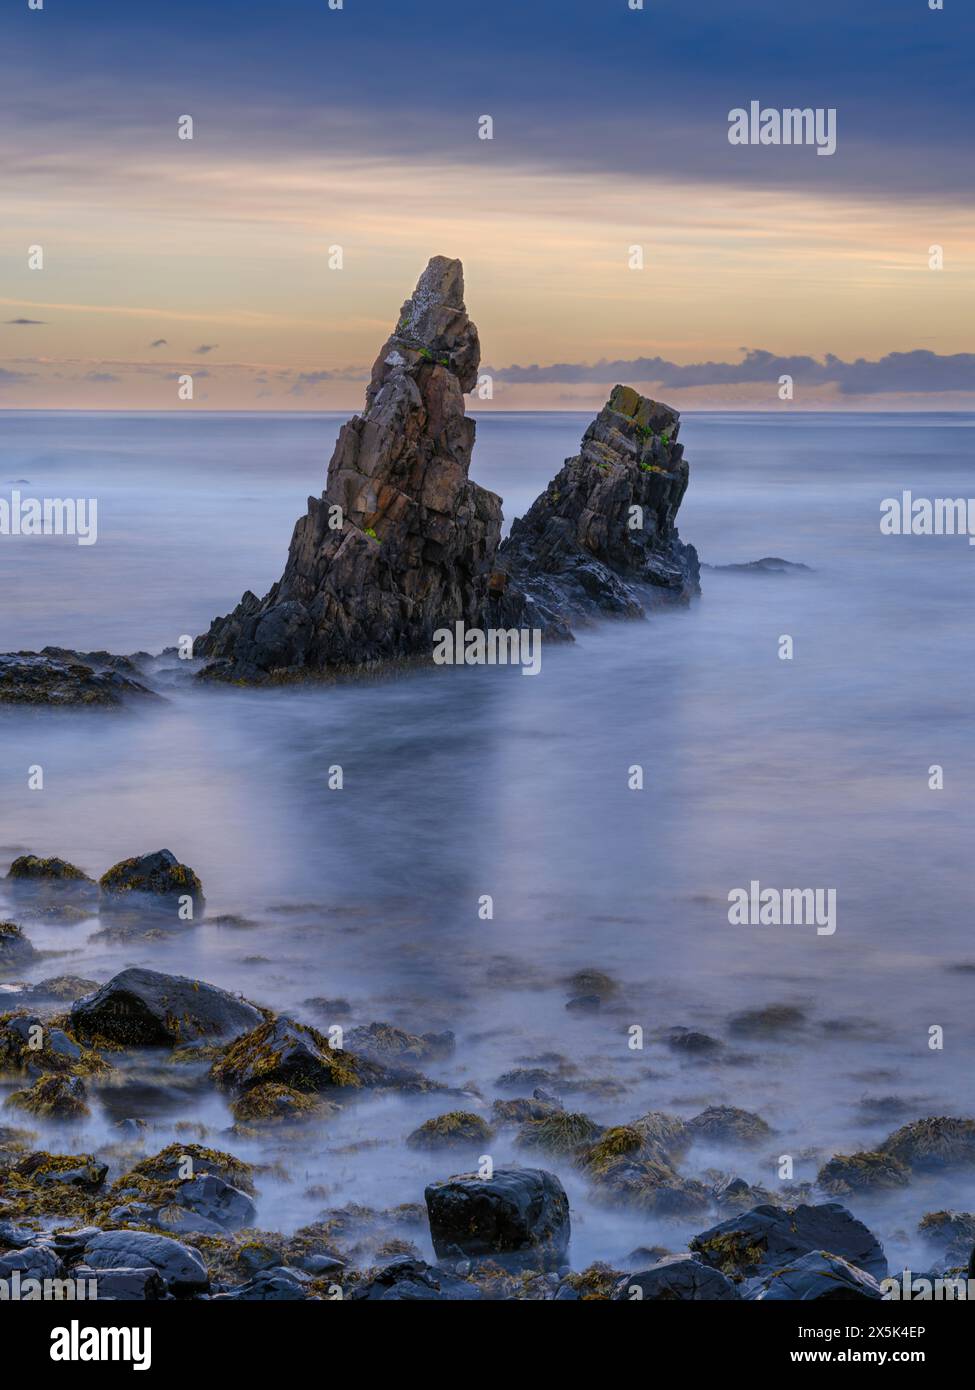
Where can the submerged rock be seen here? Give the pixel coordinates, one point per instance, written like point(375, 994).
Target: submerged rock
point(143, 1008)
point(15, 949)
point(725, 1124)
point(53, 1097)
point(768, 1238)
point(459, 1129)
point(388, 1043)
point(33, 1047)
point(66, 679)
point(772, 1021)
point(862, 1172)
point(519, 1216)
point(602, 540)
point(297, 1055)
point(628, 1168)
point(561, 1132)
point(271, 1103)
point(935, 1143)
point(678, 1277)
point(155, 880)
point(51, 887)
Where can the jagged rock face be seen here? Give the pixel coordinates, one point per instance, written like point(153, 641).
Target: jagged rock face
point(602, 540)
point(401, 540)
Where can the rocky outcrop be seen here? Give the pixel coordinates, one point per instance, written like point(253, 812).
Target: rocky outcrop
point(401, 540)
point(156, 880)
point(767, 1238)
point(143, 1008)
point(601, 540)
point(402, 543)
point(58, 677)
point(520, 1216)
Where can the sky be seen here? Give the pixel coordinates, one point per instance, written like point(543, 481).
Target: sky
point(357, 126)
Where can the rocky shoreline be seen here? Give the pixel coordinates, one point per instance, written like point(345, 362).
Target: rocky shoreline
point(181, 1221)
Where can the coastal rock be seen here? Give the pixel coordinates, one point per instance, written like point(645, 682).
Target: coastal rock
point(50, 887)
point(33, 1047)
point(629, 1168)
point(83, 1171)
point(930, 1145)
point(602, 540)
point(410, 1280)
point(143, 1008)
point(279, 1285)
point(677, 1277)
point(725, 1124)
point(32, 1262)
point(818, 1277)
point(206, 1205)
point(561, 1132)
point(401, 541)
point(179, 1266)
point(66, 679)
point(768, 1238)
point(15, 949)
point(862, 1172)
point(519, 1216)
point(123, 1285)
point(158, 880)
point(52, 1097)
point(385, 1042)
point(296, 1055)
point(459, 1129)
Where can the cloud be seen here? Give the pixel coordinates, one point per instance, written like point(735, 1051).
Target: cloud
point(915, 371)
point(24, 323)
point(159, 342)
point(204, 348)
point(12, 378)
point(101, 376)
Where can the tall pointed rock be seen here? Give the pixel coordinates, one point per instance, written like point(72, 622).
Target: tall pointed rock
point(401, 541)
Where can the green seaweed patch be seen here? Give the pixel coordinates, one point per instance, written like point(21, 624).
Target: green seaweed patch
point(455, 1130)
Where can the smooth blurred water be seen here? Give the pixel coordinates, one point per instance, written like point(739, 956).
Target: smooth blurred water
point(458, 783)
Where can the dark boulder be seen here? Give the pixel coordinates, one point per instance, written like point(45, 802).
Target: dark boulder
point(818, 1277)
point(157, 881)
point(65, 679)
point(519, 1216)
point(15, 949)
point(143, 1008)
point(180, 1267)
point(295, 1054)
point(768, 1238)
point(123, 1285)
point(679, 1277)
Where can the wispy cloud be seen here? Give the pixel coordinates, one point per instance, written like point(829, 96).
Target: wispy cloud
point(26, 323)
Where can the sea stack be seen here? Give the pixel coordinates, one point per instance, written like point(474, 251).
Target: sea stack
point(601, 540)
point(401, 541)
